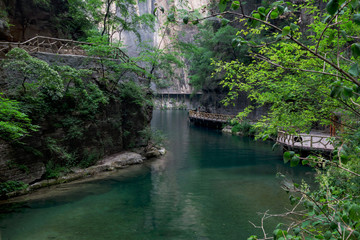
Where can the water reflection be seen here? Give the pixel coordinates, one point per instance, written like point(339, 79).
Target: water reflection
point(208, 186)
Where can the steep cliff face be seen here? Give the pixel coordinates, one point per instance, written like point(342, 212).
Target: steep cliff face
point(68, 137)
point(28, 18)
point(164, 37)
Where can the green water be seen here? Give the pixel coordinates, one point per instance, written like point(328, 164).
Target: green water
point(208, 186)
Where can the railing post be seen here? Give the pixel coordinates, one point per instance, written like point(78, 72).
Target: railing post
point(311, 141)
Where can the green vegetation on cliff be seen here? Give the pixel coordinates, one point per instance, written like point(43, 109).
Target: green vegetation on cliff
point(79, 119)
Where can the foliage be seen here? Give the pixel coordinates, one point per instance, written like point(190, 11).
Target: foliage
point(46, 91)
point(91, 157)
point(53, 170)
point(14, 124)
point(11, 186)
point(134, 93)
point(306, 74)
point(160, 63)
point(28, 75)
point(212, 42)
point(243, 127)
point(113, 16)
point(156, 137)
point(60, 153)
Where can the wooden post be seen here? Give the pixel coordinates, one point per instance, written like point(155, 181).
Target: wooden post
point(311, 141)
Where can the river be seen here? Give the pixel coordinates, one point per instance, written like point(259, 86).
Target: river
point(208, 186)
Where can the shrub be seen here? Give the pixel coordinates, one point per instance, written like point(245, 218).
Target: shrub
point(53, 170)
point(133, 93)
point(11, 186)
point(244, 127)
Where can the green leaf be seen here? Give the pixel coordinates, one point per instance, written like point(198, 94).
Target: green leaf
point(335, 91)
point(186, 19)
point(344, 158)
point(277, 233)
point(356, 18)
point(297, 231)
point(262, 10)
point(222, 5)
point(274, 15)
point(305, 162)
point(195, 22)
point(235, 5)
point(355, 50)
point(286, 30)
point(332, 6)
point(294, 27)
point(343, 34)
point(274, 146)
point(162, 9)
point(294, 161)
point(256, 15)
point(281, 9)
point(333, 225)
point(224, 22)
point(288, 155)
point(354, 212)
point(327, 235)
point(347, 92)
point(355, 4)
point(171, 17)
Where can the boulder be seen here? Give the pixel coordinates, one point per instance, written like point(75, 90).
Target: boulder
point(5, 31)
point(152, 153)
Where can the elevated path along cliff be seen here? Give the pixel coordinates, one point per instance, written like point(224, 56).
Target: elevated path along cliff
point(67, 48)
point(58, 46)
point(313, 141)
point(209, 119)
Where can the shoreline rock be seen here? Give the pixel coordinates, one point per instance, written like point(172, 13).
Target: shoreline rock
point(110, 163)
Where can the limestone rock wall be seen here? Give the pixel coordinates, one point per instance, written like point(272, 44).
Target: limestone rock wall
point(116, 127)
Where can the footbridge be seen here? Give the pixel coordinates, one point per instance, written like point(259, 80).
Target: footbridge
point(313, 141)
point(209, 119)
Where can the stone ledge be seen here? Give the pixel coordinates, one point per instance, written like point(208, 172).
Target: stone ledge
point(111, 163)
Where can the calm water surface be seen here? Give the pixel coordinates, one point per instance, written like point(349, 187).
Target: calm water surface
point(209, 186)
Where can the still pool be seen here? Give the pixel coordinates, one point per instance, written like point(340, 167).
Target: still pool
point(208, 186)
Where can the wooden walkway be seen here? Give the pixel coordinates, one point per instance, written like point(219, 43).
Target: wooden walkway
point(213, 117)
point(312, 141)
point(57, 46)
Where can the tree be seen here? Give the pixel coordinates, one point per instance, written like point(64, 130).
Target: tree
point(14, 124)
point(306, 75)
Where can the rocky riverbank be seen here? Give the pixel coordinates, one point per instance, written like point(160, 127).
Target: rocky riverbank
point(110, 163)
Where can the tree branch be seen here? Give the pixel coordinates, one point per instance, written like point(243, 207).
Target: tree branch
point(329, 25)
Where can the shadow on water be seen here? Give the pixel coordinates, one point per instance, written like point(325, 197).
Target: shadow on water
point(208, 186)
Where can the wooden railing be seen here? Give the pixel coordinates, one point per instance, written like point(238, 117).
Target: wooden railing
point(306, 141)
point(58, 46)
point(210, 116)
